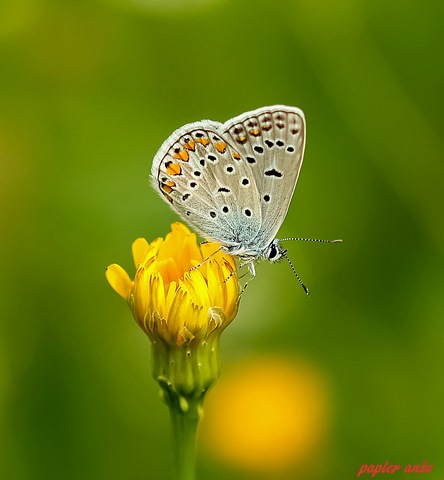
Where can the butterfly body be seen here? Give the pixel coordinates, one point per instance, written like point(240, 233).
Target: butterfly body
point(233, 182)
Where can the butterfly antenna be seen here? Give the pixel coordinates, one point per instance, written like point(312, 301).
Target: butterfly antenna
point(206, 259)
point(310, 240)
point(304, 240)
point(306, 290)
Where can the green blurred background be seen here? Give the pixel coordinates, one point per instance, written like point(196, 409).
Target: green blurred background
point(89, 91)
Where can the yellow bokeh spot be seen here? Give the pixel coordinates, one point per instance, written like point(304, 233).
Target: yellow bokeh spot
point(269, 414)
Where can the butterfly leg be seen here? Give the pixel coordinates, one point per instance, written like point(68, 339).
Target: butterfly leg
point(235, 271)
point(252, 271)
point(205, 259)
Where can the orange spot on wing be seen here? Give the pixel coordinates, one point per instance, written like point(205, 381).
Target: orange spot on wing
point(204, 141)
point(167, 188)
point(182, 155)
point(169, 198)
point(174, 169)
point(236, 156)
point(255, 132)
point(189, 145)
point(170, 183)
point(220, 146)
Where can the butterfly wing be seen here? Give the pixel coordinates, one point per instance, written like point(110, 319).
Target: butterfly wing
point(272, 141)
point(206, 180)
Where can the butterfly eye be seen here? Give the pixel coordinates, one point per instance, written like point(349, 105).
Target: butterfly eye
point(273, 252)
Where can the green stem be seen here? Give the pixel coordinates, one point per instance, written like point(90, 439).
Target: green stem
point(185, 373)
point(184, 418)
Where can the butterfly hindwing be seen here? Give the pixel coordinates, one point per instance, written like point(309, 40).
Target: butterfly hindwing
point(272, 141)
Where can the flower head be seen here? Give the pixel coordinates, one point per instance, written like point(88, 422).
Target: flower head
point(182, 309)
point(170, 302)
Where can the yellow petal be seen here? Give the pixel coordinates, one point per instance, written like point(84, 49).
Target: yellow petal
point(180, 228)
point(142, 294)
point(215, 284)
point(170, 297)
point(209, 248)
point(119, 280)
point(153, 251)
point(195, 283)
point(157, 295)
point(180, 245)
point(191, 250)
point(168, 269)
point(140, 249)
point(181, 310)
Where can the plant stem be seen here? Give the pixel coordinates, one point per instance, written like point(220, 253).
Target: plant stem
point(184, 422)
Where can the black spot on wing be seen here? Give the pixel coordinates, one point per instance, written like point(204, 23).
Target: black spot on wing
point(273, 173)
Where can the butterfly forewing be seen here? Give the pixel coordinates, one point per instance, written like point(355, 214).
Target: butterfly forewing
point(272, 141)
point(209, 183)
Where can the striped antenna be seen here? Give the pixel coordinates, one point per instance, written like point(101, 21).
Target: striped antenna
point(310, 240)
point(306, 290)
point(304, 240)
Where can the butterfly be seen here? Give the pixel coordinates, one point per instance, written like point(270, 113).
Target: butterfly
point(233, 182)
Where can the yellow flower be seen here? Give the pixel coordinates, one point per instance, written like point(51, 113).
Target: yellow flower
point(183, 310)
point(171, 303)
